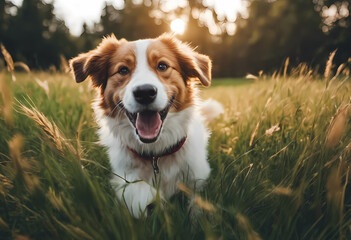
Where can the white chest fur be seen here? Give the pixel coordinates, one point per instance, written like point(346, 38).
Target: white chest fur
point(187, 165)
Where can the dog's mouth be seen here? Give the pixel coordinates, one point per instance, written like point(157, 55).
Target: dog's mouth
point(148, 123)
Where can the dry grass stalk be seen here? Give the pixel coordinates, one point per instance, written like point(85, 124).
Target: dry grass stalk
point(50, 129)
point(23, 66)
point(274, 75)
point(251, 76)
point(329, 65)
point(253, 135)
point(9, 61)
point(5, 185)
point(346, 72)
point(55, 200)
point(3, 225)
point(184, 189)
point(338, 71)
point(245, 224)
point(286, 67)
point(44, 85)
point(23, 167)
point(260, 73)
point(334, 188)
point(268, 102)
point(7, 98)
point(275, 128)
point(78, 232)
point(79, 130)
point(20, 237)
point(337, 126)
point(286, 191)
point(15, 147)
point(207, 206)
point(64, 67)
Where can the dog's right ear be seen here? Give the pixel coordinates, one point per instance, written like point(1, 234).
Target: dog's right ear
point(95, 63)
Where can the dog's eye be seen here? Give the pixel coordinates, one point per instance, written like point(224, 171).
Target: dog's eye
point(123, 70)
point(162, 67)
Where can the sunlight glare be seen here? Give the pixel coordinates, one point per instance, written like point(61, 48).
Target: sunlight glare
point(178, 26)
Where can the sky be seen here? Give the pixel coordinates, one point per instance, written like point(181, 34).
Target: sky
point(76, 12)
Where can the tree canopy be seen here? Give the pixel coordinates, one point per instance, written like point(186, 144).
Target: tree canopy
point(303, 30)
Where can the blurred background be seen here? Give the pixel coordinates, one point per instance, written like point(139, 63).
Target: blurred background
point(241, 36)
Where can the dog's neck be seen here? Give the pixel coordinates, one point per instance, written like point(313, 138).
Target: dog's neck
point(170, 150)
point(153, 158)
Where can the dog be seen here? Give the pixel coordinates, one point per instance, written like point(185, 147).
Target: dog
point(149, 114)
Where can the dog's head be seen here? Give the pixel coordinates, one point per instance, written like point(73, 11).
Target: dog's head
point(143, 80)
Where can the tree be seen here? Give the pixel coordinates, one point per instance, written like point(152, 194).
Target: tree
point(37, 37)
point(132, 22)
point(337, 27)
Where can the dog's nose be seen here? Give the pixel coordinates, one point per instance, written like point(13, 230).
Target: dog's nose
point(145, 94)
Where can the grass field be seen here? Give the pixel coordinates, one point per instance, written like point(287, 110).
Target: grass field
point(280, 159)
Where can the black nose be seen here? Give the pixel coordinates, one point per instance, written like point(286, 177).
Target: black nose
point(145, 94)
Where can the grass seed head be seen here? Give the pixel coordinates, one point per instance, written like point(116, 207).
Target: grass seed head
point(23, 66)
point(20, 237)
point(282, 191)
point(9, 61)
point(207, 206)
point(64, 67)
point(15, 148)
point(5, 185)
point(55, 200)
point(184, 189)
point(275, 128)
point(3, 225)
point(23, 167)
point(286, 67)
point(44, 85)
point(245, 224)
point(329, 64)
point(251, 76)
point(334, 188)
point(253, 135)
point(337, 126)
point(7, 98)
point(50, 129)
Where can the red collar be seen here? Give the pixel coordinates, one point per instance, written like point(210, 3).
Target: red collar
point(154, 157)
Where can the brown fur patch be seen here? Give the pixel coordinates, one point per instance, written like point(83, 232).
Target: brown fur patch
point(192, 64)
point(176, 85)
point(114, 90)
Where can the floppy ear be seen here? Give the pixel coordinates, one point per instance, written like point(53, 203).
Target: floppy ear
point(95, 63)
point(192, 64)
point(204, 67)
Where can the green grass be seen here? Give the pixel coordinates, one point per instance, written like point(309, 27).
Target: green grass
point(223, 82)
point(292, 184)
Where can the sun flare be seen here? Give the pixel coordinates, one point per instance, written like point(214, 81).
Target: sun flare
point(178, 26)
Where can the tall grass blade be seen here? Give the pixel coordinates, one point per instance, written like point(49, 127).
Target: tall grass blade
point(50, 129)
point(9, 61)
point(6, 93)
point(286, 67)
point(329, 64)
point(337, 126)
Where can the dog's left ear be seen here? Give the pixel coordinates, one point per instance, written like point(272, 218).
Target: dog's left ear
point(192, 63)
point(203, 67)
point(95, 63)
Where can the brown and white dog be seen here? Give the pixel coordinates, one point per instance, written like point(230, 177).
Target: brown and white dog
point(149, 114)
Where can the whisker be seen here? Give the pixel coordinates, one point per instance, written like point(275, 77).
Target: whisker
point(120, 110)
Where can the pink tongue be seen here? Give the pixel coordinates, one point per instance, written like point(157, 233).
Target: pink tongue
point(148, 124)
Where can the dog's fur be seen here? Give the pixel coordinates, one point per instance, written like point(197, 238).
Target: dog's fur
point(106, 66)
